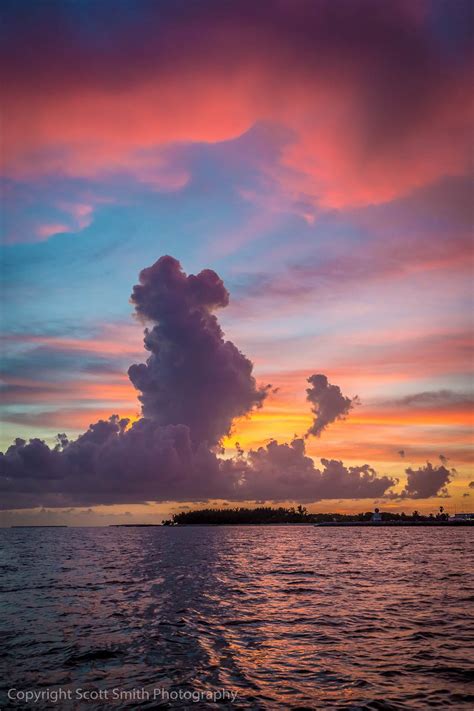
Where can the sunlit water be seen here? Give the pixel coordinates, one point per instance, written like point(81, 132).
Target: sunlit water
point(286, 617)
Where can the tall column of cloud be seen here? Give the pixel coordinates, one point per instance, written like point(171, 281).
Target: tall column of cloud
point(328, 403)
point(193, 376)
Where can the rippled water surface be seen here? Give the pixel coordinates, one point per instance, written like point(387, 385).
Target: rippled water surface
point(287, 617)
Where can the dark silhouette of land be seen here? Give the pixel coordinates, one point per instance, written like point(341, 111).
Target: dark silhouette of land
point(266, 515)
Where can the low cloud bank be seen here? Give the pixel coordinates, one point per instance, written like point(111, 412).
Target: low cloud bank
point(112, 463)
point(427, 481)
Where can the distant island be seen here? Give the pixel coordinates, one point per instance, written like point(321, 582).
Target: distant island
point(266, 515)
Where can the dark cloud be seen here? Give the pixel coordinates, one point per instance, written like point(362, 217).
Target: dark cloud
point(427, 481)
point(328, 403)
point(193, 385)
point(112, 464)
point(401, 452)
point(285, 472)
point(193, 376)
point(444, 460)
point(471, 484)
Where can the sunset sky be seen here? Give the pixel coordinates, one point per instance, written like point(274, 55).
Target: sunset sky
point(314, 154)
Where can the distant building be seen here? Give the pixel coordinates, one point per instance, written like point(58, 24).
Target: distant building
point(463, 517)
point(376, 515)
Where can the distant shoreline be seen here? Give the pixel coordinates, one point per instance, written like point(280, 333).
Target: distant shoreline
point(300, 516)
point(327, 524)
point(395, 524)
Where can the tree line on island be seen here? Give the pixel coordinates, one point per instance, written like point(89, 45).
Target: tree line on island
point(269, 515)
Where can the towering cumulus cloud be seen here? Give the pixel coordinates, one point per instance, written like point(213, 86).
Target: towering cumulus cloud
point(328, 403)
point(193, 385)
point(193, 376)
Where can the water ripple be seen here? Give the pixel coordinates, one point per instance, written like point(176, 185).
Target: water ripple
point(287, 618)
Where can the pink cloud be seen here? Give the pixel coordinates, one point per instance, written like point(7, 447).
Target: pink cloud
point(48, 230)
point(374, 106)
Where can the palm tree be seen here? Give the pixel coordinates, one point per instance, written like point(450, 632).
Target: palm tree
point(301, 510)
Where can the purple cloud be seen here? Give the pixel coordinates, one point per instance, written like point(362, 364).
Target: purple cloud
point(113, 463)
point(193, 385)
point(284, 472)
point(328, 403)
point(427, 481)
point(193, 376)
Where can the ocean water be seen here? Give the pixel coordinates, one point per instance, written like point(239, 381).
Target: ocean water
point(281, 617)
